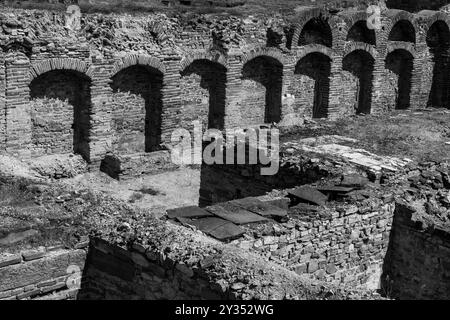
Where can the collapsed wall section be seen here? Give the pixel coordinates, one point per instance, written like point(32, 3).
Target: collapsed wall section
point(417, 263)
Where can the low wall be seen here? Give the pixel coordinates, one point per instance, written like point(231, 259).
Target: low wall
point(343, 244)
point(47, 273)
point(188, 265)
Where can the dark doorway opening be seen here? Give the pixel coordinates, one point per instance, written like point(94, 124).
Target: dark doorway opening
point(438, 41)
point(213, 78)
point(268, 72)
point(401, 63)
point(360, 63)
point(138, 86)
point(317, 66)
point(64, 87)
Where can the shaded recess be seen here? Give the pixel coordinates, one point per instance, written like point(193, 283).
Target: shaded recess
point(401, 63)
point(316, 31)
point(268, 72)
point(317, 66)
point(53, 120)
point(360, 64)
point(213, 78)
point(137, 101)
point(438, 41)
point(404, 31)
point(359, 32)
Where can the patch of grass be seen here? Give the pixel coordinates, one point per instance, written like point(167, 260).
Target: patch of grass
point(136, 196)
point(421, 136)
point(233, 7)
point(15, 193)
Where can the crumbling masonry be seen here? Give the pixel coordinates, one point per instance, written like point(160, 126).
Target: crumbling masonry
point(119, 87)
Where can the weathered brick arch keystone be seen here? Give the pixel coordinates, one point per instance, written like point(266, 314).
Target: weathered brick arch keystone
point(70, 64)
point(402, 46)
point(312, 48)
point(306, 15)
point(132, 60)
point(350, 19)
point(210, 56)
point(427, 18)
point(354, 46)
point(268, 52)
point(395, 16)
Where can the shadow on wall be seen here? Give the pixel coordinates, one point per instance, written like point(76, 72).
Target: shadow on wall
point(400, 62)
point(404, 31)
point(359, 32)
point(53, 123)
point(316, 31)
point(438, 41)
point(317, 66)
point(213, 79)
point(268, 72)
point(360, 64)
point(136, 109)
point(417, 262)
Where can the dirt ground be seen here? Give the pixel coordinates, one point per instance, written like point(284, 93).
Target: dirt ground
point(155, 192)
point(421, 135)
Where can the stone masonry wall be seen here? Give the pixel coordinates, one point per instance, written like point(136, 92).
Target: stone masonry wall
point(51, 273)
point(258, 77)
point(344, 245)
point(417, 262)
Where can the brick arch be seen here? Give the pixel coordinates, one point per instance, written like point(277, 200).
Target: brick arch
point(407, 46)
point(428, 18)
point(268, 52)
point(307, 16)
point(312, 74)
point(396, 16)
point(361, 64)
point(313, 48)
point(67, 84)
point(133, 60)
point(400, 63)
point(354, 46)
point(60, 64)
point(210, 56)
point(350, 19)
point(265, 68)
point(207, 81)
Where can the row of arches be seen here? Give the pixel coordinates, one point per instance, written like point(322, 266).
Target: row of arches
point(136, 88)
point(318, 30)
point(137, 103)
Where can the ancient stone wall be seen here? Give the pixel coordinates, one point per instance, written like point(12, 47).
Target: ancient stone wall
point(416, 5)
point(138, 78)
point(42, 273)
point(346, 246)
point(417, 262)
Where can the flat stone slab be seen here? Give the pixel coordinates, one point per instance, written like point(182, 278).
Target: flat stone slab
point(304, 208)
point(359, 157)
point(354, 181)
point(310, 195)
point(335, 189)
point(235, 214)
point(188, 212)
point(215, 227)
point(261, 208)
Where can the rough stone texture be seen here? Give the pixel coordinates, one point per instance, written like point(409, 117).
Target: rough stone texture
point(132, 255)
point(417, 264)
point(41, 274)
point(122, 84)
